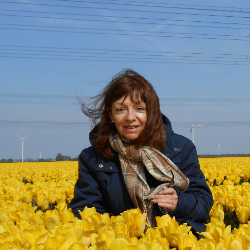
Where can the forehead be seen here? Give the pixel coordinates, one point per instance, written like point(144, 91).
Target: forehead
point(129, 99)
point(135, 96)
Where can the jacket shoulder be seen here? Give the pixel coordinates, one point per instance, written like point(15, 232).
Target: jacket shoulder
point(175, 142)
point(97, 162)
point(89, 152)
point(180, 139)
point(178, 143)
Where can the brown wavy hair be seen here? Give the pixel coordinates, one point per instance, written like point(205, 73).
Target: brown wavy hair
point(126, 83)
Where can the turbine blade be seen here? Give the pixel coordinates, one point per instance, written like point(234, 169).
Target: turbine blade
point(190, 120)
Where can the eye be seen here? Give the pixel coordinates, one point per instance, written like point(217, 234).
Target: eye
point(120, 109)
point(141, 108)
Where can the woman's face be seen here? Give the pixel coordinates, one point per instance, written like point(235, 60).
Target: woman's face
point(129, 118)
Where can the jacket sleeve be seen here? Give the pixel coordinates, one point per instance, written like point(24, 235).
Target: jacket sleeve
point(87, 191)
point(187, 200)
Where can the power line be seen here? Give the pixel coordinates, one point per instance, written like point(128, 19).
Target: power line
point(155, 58)
point(40, 96)
point(139, 10)
point(127, 22)
point(115, 51)
point(45, 124)
point(128, 17)
point(129, 61)
point(80, 125)
point(66, 53)
point(130, 55)
point(100, 31)
point(128, 10)
point(166, 4)
point(41, 99)
point(163, 101)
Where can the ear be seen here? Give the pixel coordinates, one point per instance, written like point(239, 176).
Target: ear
point(110, 115)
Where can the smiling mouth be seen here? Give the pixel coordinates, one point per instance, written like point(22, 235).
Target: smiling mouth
point(131, 127)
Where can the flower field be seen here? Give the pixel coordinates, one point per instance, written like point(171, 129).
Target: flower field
point(34, 214)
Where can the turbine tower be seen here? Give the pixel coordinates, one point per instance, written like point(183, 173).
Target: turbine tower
point(218, 149)
point(22, 139)
point(192, 128)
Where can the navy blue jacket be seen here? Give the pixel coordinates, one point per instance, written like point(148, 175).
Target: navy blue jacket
point(100, 183)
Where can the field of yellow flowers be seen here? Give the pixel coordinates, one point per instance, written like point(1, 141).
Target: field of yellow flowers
point(34, 213)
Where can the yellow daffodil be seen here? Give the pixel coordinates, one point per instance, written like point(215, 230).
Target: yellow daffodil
point(42, 239)
point(60, 198)
point(153, 233)
point(51, 222)
point(230, 203)
point(109, 241)
point(78, 246)
point(222, 195)
point(136, 221)
point(243, 214)
point(87, 212)
point(6, 236)
point(52, 198)
point(101, 226)
point(81, 224)
point(32, 186)
point(235, 245)
point(86, 236)
point(27, 197)
point(41, 200)
point(165, 220)
point(67, 216)
point(186, 241)
point(237, 200)
point(119, 244)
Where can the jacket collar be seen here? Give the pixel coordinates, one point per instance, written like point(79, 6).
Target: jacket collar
point(170, 149)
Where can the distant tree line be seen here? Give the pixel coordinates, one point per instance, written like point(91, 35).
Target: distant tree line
point(6, 160)
point(59, 157)
point(224, 155)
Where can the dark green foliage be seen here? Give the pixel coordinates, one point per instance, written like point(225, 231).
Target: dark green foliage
point(230, 218)
point(25, 181)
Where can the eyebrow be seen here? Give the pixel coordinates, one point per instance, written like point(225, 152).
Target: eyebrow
point(122, 103)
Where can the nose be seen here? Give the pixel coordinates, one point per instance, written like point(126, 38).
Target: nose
point(130, 115)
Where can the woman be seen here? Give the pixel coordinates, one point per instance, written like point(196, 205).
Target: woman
point(136, 160)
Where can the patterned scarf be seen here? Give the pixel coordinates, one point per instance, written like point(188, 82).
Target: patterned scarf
point(133, 160)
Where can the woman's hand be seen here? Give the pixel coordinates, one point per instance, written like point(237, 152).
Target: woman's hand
point(166, 198)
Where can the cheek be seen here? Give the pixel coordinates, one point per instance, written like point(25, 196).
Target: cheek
point(144, 119)
point(118, 121)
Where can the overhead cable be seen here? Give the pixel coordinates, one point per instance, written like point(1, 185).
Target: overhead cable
point(115, 51)
point(128, 18)
point(149, 11)
point(101, 31)
point(129, 22)
point(81, 125)
point(18, 97)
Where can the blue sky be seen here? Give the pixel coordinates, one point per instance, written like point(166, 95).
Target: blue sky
point(196, 55)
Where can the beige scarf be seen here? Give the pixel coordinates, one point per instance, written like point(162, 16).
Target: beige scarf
point(133, 160)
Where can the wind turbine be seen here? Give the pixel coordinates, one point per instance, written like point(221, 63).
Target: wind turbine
point(218, 149)
point(192, 128)
point(22, 139)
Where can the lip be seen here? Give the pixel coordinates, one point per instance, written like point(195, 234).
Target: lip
point(131, 127)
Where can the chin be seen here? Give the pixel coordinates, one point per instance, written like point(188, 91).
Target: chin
point(131, 137)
